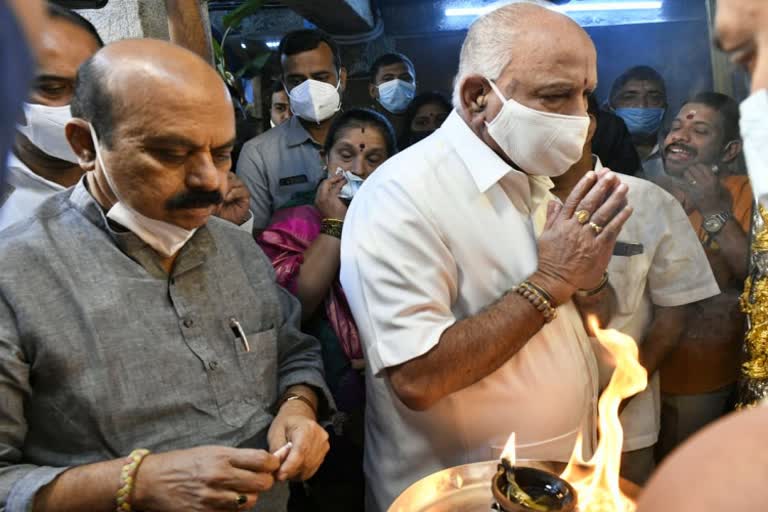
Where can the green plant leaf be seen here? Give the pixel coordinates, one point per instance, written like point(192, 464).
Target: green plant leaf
point(247, 8)
point(254, 64)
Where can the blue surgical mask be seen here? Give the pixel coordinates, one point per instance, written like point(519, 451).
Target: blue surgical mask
point(396, 95)
point(641, 121)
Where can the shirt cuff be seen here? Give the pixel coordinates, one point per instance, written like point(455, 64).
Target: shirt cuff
point(22, 495)
point(247, 226)
point(326, 407)
point(684, 297)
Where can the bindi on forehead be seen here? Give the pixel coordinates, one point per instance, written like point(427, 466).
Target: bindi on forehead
point(690, 115)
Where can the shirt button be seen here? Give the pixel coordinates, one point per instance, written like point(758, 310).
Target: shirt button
point(213, 365)
point(188, 322)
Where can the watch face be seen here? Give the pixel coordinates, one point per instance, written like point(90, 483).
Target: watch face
point(713, 224)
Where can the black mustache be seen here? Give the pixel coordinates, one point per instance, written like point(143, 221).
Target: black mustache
point(686, 147)
point(195, 199)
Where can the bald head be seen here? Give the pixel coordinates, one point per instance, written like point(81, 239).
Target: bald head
point(723, 468)
point(517, 36)
point(144, 76)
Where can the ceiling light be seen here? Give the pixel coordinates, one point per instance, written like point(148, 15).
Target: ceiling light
point(583, 7)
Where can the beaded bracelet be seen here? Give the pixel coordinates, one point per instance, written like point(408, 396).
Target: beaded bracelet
point(332, 227)
point(532, 294)
point(128, 478)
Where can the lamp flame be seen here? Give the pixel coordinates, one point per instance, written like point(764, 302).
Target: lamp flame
point(598, 486)
point(509, 452)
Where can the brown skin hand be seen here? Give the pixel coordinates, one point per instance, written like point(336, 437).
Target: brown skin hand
point(63, 48)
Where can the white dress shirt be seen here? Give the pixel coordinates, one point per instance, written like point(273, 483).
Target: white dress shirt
point(672, 270)
point(24, 191)
point(437, 233)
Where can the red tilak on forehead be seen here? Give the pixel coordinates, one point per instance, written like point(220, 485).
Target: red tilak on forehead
point(691, 114)
point(362, 147)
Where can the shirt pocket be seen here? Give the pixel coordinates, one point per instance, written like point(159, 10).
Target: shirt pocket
point(259, 366)
point(627, 275)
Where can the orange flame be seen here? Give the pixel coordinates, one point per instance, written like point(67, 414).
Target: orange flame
point(598, 485)
point(509, 453)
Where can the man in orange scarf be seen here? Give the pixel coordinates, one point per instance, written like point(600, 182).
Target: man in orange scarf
point(703, 171)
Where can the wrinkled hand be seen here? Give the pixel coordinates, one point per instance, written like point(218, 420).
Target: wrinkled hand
point(237, 202)
point(327, 199)
point(571, 255)
point(208, 478)
point(295, 423)
point(705, 191)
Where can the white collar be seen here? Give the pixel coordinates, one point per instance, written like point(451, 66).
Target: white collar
point(16, 164)
point(485, 166)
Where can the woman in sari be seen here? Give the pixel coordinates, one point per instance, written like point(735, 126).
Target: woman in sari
point(304, 244)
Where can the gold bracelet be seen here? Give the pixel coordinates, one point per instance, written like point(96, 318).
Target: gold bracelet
point(128, 478)
point(537, 299)
point(296, 396)
point(332, 227)
point(597, 289)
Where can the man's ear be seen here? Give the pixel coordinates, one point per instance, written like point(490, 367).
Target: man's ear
point(732, 151)
point(474, 94)
point(592, 128)
point(343, 79)
point(373, 91)
point(78, 133)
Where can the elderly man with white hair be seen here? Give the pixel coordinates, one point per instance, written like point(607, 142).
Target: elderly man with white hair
point(472, 327)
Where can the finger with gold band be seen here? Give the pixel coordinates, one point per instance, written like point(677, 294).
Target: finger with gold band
point(596, 228)
point(241, 500)
point(582, 216)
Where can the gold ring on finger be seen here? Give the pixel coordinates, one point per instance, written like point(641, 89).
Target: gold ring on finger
point(582, 216)
point(598, 229)
point(241, 500)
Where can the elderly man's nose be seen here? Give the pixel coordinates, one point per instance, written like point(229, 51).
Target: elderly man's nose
point(203, 174)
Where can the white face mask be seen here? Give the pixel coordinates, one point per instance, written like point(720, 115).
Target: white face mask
point(315, 101)
point(396, 95)
point(540, 143)
point(165, 238)
point(353, 184)
point(45, 129)
point(754, 132)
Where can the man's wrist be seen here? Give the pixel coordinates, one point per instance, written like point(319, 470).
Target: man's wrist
point(298, 399)
point(560, 291)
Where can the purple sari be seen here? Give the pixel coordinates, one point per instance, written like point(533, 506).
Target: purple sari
point(284, 241)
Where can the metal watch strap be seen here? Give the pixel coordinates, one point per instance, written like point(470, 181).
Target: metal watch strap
point(721, 216)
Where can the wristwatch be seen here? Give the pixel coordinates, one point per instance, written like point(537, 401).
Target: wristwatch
point(714, 223)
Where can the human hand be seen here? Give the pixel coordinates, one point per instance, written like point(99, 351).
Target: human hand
point(208, 478)
point(295, 423)
point(327, 199)
point(573, 255)
point(237, 202)
point(705, 191)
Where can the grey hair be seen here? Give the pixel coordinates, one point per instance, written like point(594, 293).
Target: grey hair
point(490, 44)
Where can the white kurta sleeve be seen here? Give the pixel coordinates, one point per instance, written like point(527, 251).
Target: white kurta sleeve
point(680, 272)
point(399, 276)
